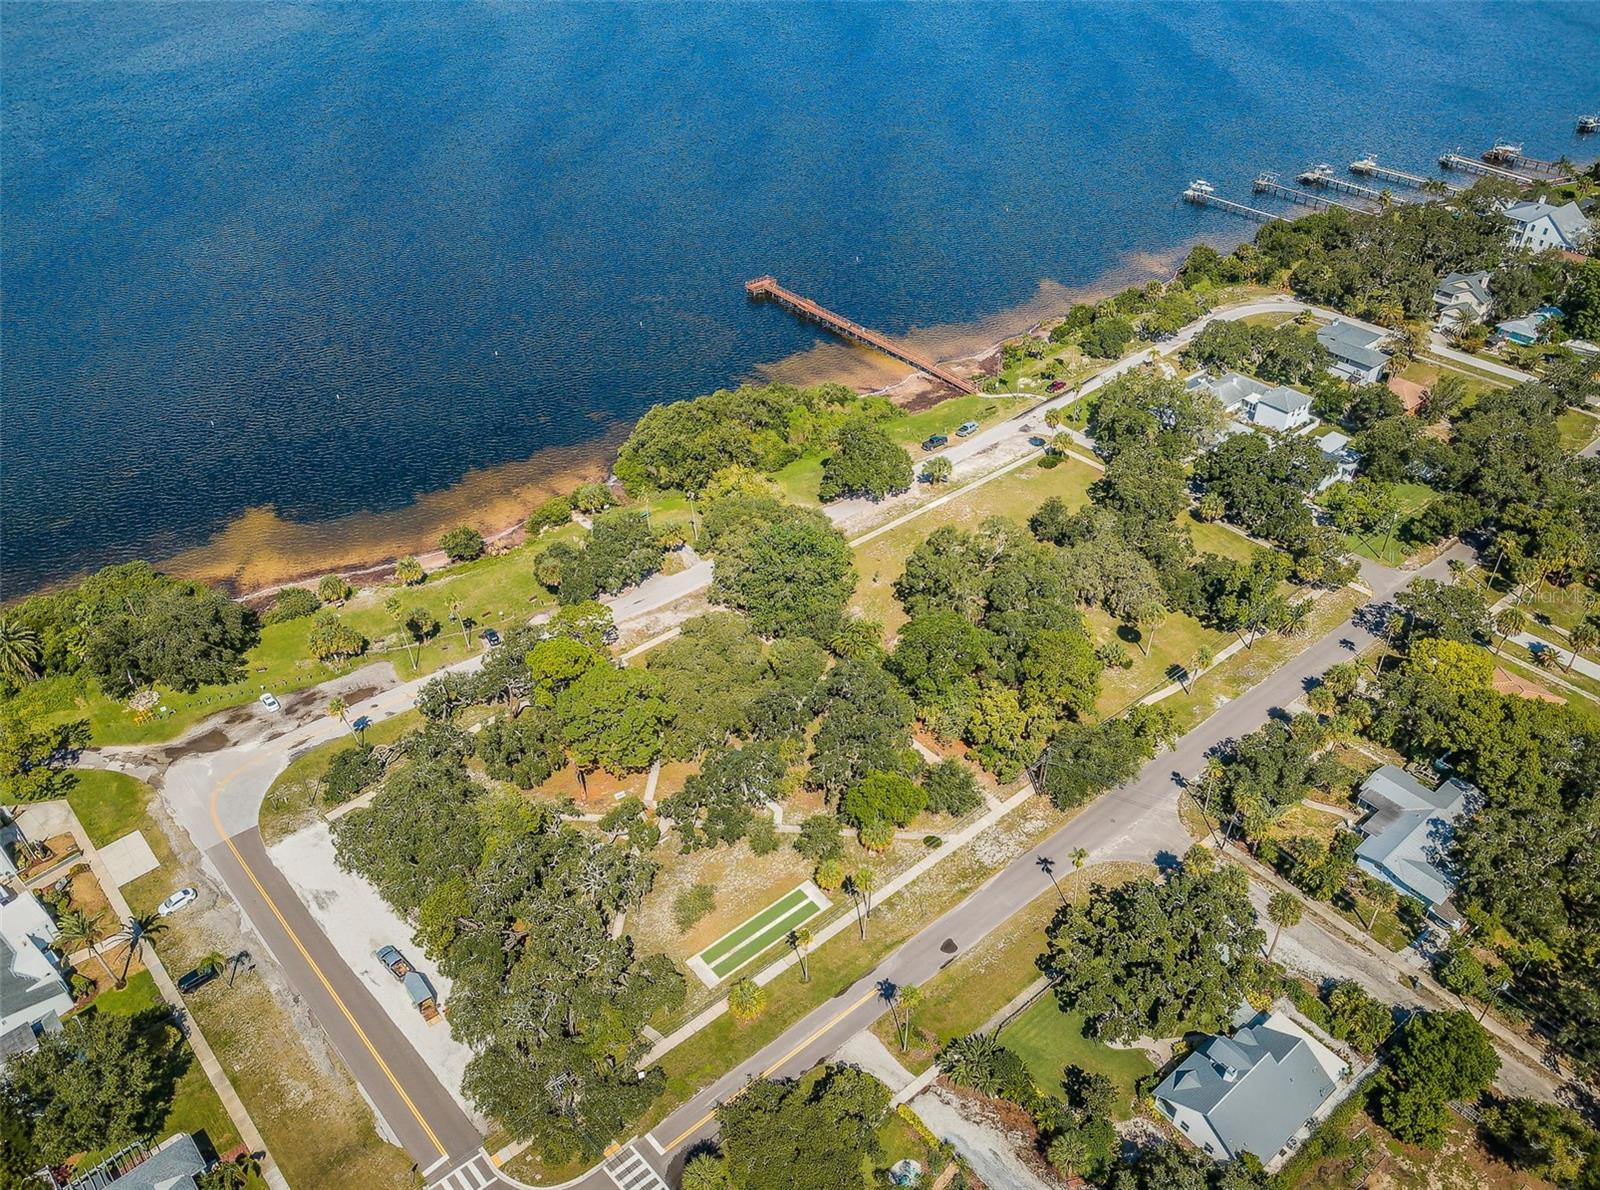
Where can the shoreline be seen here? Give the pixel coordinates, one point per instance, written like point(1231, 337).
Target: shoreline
point(259, 553)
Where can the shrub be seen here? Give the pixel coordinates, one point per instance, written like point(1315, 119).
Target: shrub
point(291, 603)
point(746, 999)
point(408, 572)
point(692, 904)
point(462, 544)
point(591, 498)
point(818, 839)
point(333, 589)
point(552, 514)
point(762, 835)
point(952, 789)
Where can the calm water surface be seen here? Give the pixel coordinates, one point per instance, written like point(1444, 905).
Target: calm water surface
point(328, 260)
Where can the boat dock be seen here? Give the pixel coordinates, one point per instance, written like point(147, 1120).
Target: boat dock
point(1468, 166)
point(1203, 194)
point(1369, 165)
point(1323, 175)
point(1505, 153)
point(768, 287)
point(1267, 183)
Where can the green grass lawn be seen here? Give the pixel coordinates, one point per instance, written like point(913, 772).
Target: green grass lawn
point(109, 805)
point(1050, 1039)
point(1563, 607)
point(1576, 429)
point(1177, 639)
point(195, 1106)
point(1016, 495)
point(1218, 539)
point(1411, 498)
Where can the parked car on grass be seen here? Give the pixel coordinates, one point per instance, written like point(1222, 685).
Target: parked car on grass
point(934, 441)
point(965, 428)
point(490, 638)
point(184, 896)
point(1055, 386)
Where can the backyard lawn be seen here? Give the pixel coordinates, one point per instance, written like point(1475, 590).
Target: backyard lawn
point(1049, 1039)
point(1411, 498)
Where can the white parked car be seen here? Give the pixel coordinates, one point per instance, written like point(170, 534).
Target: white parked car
point(271, 703)
point(176, 901)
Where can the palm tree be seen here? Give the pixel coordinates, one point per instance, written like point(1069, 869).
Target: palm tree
point(1080, 856)
point(77, 929)
point(408, 572)
point(1508, 623)
point(859, 886)
point(214, 959)
point(1583, 637)
point(1383, 896)
point(800, 942)
point(337, 708)
point(746, 999)
point(19, 651)
point(910, 996)
point(1147, 617)
point(969, 1062)
point(461, 621)
point(1284, 909)
point(135, 932)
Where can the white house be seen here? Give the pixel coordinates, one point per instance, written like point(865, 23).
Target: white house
point(1408, 830)
point(1336, 448)
point(1251, 402)
point(32, 988)
point(1539, 226)
point(1357, 352)
point(1252, 1092)
point(1462, 297)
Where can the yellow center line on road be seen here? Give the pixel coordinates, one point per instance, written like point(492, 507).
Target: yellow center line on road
point(312, 963)
point(800, 1045)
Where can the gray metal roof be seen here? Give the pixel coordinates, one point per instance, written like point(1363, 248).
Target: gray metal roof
point(1285, 400)
point(1352, 344)
point(29, 982)
point(1410, 829)
point(1234, 389)
point(1568, 218)
point(1470, 285)
point(174, 1166)
point(1255, 1089)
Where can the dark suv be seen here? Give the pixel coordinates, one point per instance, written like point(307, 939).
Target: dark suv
point(935, 442)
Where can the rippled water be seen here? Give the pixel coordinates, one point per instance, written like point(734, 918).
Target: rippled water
point(369, 269)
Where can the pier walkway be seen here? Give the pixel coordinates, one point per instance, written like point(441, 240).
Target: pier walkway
point(768, 287)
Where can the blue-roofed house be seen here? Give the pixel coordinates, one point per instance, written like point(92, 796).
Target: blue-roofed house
point(1357, 352)
point(1252, 1092)
point(1408, 829)
point(1526, 330)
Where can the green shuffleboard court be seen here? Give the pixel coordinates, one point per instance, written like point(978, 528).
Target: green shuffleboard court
point(743, 943)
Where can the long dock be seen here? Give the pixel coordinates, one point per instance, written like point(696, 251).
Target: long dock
point(1204, 194)
point(1268, 184)
point(1468, 166)
point(1323, 175)
point(1369, 165)
point(1509, 154)
point(768, 287)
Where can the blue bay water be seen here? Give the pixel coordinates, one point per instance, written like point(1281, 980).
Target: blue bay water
point(330, 259)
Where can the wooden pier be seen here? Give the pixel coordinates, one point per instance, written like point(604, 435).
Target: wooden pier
point(1268, 183)
point(1369, 165)
point(1468, 166)
point(1505, 153)
point(1203, 194)
point(768, 287)
point(1323, 175)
